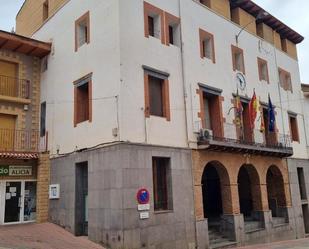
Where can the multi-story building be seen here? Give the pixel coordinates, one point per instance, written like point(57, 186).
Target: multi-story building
point(156, 95)
point(24, 167)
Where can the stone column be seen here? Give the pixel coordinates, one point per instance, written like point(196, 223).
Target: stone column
point(43, 179)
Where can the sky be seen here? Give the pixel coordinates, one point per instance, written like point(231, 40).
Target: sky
point(292, 13)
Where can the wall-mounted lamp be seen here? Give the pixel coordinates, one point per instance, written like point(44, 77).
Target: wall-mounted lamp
point(262, 14)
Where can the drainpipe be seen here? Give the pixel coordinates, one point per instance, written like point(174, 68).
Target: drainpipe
point(186, 113)
point(183, 74)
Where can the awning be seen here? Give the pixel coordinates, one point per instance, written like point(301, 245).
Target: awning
point(18, 155)
point(24, 45)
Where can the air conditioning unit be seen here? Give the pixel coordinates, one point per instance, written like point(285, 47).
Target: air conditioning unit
point(205, 134)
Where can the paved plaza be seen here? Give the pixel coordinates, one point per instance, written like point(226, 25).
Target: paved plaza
point(290, 244)
point(41, 236)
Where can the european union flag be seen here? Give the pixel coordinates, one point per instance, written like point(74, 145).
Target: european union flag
point(271, 116)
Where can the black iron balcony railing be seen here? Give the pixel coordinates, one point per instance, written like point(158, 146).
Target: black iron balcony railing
point(19, 140)
point(14, 87)
point(237, 139)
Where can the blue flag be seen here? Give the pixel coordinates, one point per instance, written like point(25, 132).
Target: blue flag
point(271, 116)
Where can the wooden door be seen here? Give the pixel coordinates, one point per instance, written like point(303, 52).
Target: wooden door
point(8, 79)
point(7, 132)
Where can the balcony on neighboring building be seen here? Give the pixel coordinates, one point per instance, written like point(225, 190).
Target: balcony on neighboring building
point(238, 140)
point(13, 88)
point(19, 141)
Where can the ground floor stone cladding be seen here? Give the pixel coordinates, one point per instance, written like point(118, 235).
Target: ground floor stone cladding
point(116, 172)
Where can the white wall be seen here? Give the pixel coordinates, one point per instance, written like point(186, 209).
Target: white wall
point(221, 75)
point(115, 55)
point(101, 57)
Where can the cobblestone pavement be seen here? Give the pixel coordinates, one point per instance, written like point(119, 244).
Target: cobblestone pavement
point(41, 236)
point(290, 244)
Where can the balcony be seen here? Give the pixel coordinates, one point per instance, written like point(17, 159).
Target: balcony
point(234, 140)
point(13, 88)
point(19, 141)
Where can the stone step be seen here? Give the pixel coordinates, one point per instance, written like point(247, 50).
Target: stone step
point(224, 244)
point(279, 221)
point(217, 240)
point(253, 225)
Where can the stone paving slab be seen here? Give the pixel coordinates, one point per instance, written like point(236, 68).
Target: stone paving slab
point(41, 236)
point(289, 244)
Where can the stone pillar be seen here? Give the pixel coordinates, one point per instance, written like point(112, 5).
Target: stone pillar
point(230, 199)
point(43, 179)
point(264, 197)
point(198, 199)
point(233, 227)
point(202, 238)
point(232, 222)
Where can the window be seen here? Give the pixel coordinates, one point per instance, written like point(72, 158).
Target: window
point(301, 183)
point(43, 120)
point(161, 25)
point(151, 26)
point(263, 70)
point(156, 96)
point(238, 59)
point(173, 30)
point(294, 128)
point(44, 64)
point(83, 100)
point(211, 110)
point(285, 80)
point(162, 184)
point(207, 45)
point(153, 18)
point(156, 93)
point(45, 10)
point(82, 31)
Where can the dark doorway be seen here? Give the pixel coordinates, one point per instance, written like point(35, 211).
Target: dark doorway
point(275, 191)
point(12, 202)
point(81, 199)
point(245, 192)
point(211, 187)
point(305, 210)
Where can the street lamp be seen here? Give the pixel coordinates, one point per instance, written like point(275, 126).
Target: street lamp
point(259, 17)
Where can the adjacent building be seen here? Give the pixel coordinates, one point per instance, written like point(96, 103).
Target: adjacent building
point(24, 166)
point(157, 95)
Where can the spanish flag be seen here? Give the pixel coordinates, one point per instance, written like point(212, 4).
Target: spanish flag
point(262, 124)
point(239, 110)
point(253, 109)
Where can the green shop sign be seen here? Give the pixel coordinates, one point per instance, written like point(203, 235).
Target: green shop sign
point(15, 170)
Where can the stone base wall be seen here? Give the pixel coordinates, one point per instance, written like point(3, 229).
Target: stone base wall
point(115, 174)
point(300, 206)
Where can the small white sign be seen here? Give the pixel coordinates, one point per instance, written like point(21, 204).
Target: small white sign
point(13, 189)
point(8, 196)
point(54, 191)
point(144, 215)
point(143, 207)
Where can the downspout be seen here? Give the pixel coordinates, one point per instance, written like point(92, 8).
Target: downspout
point(183, 75)
point(186, 115)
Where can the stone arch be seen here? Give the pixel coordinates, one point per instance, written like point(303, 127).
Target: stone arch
point(216, 190)
point(275, 190)
point(249, 190)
